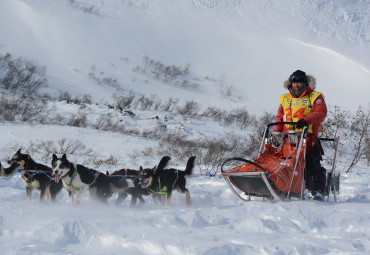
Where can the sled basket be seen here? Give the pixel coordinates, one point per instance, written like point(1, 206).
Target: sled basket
point(276, 172)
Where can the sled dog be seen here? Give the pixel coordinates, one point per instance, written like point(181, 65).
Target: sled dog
point(34, 176)
point(161, 182)
point(77, 179)
point(124, 182)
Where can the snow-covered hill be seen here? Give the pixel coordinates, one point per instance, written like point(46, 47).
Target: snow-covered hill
point(246, 46)
point(224, 53)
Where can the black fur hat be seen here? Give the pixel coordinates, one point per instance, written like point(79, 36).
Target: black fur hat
point(298, 76)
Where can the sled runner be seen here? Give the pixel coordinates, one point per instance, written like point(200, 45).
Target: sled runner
point(278, 170)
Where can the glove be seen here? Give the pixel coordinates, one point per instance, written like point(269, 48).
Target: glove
point(301, 123)
point(276, 139)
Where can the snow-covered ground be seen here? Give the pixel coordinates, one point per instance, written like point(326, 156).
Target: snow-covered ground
point(242, 46)
point(216, 223)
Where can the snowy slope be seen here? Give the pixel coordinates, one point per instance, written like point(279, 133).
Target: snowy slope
point(248, 46)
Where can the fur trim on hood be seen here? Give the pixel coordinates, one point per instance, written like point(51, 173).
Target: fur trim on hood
point(310, 80)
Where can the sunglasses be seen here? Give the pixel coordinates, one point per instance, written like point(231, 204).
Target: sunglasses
point(297, 78)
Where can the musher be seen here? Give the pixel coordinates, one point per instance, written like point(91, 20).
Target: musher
point(304, 105)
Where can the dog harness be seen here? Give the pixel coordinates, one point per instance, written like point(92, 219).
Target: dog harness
point(70, 184)
point(32, 173)
point(159, 192)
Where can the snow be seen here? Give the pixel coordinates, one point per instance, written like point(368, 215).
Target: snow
point(250, 46)
point(216, 223)
point(254, 47)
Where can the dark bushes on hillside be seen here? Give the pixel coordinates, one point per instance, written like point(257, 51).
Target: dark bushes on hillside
point(21, 76)
point(21, 109)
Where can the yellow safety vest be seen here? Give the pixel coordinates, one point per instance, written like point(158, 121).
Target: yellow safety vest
point(297, 108)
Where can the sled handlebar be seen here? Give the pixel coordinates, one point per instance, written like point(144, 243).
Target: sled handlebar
point(284, 123)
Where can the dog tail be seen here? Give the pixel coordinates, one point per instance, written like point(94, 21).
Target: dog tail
point(163, 163)
point(190, 166)
point(7, 172)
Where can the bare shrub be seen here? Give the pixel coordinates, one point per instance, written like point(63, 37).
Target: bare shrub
point(157, 103)
point(124, 102)
point(86, 9)
point(111, 161)
point(336, 121)
point(210, 153)
point(167, 72)
point(134, 156)
point(187, 84)
point(224, 89)
point(86, 99)
point(215, 113)
point(256, 137)
point(154, 133)
point(189, 110)
point(105, 122)
point(243, 118)
point(21, 109)
point(353, 131)
point(367, 151)
point(21, 76)
point(65, 96)
point(78, 120)
point(171, 74)
point(61, 146)
point(131, 131)
point(170, 105)
point(360, 135)
point(103, 80)
point(177, 146)
point(144, 103)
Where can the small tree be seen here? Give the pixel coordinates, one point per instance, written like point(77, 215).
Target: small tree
point(21, 76)
point(360, 135)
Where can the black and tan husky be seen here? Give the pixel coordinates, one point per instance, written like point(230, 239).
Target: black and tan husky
point(34, 176)
point(161, 182)
point(77, 179)
point(124, 182)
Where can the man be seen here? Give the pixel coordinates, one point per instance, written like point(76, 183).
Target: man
point(306, 107)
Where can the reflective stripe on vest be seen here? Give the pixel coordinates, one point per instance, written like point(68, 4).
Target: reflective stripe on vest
point(297, 108)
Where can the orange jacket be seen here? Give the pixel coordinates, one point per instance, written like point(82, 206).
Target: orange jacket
point(315, 118)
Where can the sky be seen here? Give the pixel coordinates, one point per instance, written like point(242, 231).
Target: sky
point(249, 47)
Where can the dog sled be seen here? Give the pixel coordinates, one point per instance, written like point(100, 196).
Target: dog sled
point(278, 171)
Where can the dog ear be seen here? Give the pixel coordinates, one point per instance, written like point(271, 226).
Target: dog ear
point(64, 157)
point(154, 169)
point(106, 173)
point(141, 169)
point(54, 157)
point(19, 151)
point(28, 156)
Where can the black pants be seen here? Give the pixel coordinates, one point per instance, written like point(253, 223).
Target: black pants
point(315, 173)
